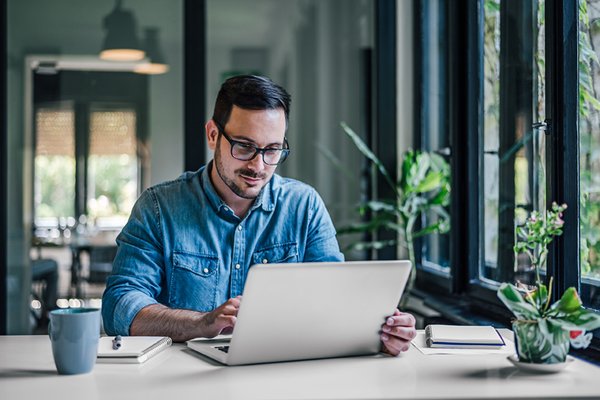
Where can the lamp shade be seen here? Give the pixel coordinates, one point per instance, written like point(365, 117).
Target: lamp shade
point(156, 63)
point(121, 42)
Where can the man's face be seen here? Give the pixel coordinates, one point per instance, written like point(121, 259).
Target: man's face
point(261, 128)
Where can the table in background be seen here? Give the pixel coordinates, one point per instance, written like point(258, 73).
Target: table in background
point(27, 372)
point(78, 245)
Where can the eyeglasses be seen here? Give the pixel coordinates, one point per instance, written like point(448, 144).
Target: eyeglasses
point(245, 151)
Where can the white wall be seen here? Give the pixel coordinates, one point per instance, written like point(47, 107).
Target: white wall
point(405, 78)
point(405, 83)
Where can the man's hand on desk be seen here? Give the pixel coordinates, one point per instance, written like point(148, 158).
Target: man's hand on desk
point(397, 332)
point(222, 320)
point(182, 325)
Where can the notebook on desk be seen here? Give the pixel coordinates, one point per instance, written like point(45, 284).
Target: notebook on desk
point(309, 311)
point(463, 337)
point(134, 349)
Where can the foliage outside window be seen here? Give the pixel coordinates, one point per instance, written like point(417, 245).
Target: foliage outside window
point(513, 144)
point(112, 167)
point(524, 159)
point(589, 136)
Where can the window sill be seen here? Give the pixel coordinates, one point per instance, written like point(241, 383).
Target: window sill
point(444, 309)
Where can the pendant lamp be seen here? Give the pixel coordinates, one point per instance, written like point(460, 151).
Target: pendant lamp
point(121, 42)
point(156, 63)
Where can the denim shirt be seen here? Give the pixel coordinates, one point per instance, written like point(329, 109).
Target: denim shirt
point(183, 247)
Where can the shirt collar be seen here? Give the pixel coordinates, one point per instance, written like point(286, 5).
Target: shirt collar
point(264, 199)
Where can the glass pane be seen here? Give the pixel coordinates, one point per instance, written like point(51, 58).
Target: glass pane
point(589, 136)
point(112, 168)
point(513, 136)
point(54, 174)
point(435, 252)
point(491, 122)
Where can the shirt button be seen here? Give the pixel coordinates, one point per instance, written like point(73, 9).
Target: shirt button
point(237, 266)
point(205, 270)
point(265, 261)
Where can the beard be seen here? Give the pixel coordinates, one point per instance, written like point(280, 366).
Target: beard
point(230, 182)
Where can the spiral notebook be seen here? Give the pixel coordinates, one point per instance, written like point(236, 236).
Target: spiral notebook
point(463, 337)
point(133, 350)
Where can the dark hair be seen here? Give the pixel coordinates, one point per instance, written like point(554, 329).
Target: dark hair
point(250, 92)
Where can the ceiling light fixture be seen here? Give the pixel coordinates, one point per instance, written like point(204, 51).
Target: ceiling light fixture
point(156, 63)
point(121, 42)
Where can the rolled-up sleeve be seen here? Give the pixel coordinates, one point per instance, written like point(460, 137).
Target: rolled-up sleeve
point(138, 269)
point(321, 244)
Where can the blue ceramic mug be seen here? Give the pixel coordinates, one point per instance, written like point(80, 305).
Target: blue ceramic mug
point(74, 333)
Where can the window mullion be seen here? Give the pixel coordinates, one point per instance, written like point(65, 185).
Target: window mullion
point(563, 144)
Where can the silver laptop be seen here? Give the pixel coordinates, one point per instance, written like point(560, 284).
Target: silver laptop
point(310, 310)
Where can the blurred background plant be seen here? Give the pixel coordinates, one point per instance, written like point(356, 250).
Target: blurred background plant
point(423, 188)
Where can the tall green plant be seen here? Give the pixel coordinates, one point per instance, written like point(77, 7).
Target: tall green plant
point(423, 188)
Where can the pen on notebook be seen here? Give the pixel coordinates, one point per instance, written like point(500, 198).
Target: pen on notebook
point(117, 342)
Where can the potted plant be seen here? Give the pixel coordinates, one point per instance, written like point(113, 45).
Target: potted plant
point(543, 330)
point(423, 187)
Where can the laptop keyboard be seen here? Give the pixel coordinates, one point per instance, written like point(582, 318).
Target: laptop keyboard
point(224, 349)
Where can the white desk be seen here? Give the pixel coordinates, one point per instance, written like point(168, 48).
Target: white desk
point(27, 371)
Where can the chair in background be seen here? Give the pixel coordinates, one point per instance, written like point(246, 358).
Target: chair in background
point(101, 261)
point(44, 288)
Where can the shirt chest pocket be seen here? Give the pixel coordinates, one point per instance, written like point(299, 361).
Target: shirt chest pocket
point(277, 253)
point(194, 281)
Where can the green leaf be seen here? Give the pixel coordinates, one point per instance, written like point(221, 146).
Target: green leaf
point(437, 227)
point(492, 6)
point(336, 162)
point(582, 319)
point(379, 244)
point(369, 226)
point(364, 149)
point(442, 197)
point(539, 296)
point(431, 181)
point(568, 303)
point(513, 300)
point(379, 206)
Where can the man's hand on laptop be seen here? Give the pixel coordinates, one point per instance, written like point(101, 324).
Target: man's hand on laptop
point(221, 320)
point(397, 332)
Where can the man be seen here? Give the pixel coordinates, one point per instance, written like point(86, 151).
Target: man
point(185, 252)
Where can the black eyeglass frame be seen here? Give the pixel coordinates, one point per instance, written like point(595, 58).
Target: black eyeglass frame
point(285, 151)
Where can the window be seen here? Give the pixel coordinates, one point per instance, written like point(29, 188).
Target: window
point(528, 142)
point(433, 122)
point(112, 166)
point(589, 148)
point(88, 166)
point(54, 173)
point(513, 143)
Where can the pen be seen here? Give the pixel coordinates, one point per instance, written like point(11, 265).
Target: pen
point(117, 342)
